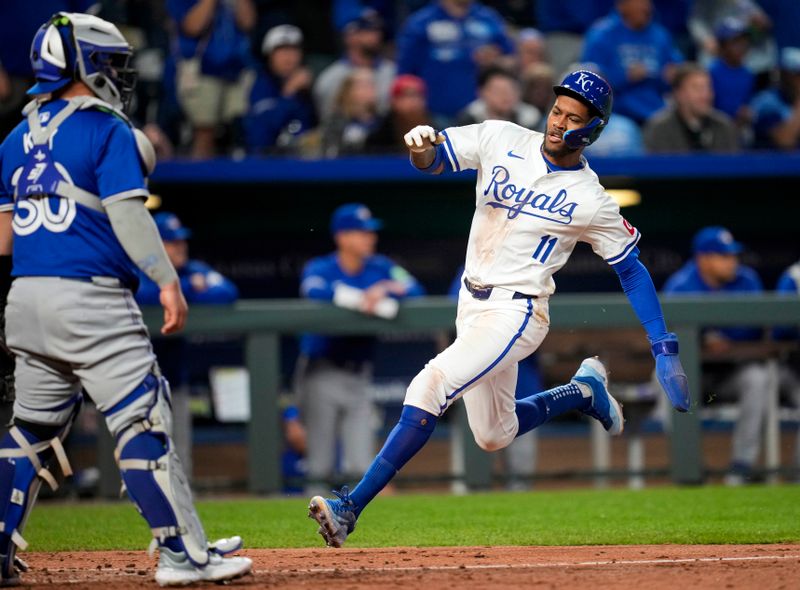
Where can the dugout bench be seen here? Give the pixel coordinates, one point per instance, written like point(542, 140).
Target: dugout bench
point(261, 322)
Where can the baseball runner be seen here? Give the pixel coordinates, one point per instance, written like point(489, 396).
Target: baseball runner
point(536, 197)
point(72, 176)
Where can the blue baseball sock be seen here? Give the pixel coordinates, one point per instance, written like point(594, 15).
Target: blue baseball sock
point(406, 439)
point(538, 408)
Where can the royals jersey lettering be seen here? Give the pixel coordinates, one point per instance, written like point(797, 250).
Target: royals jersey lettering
point(55, 236)
point(529, 214)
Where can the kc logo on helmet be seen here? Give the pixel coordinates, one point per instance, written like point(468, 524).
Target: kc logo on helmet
point(585, 82)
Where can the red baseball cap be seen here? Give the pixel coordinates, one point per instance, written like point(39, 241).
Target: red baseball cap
point(406, 82)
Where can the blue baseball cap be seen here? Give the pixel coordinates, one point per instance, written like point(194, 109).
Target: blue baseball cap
point(730, 28)
point(170, 227)
point(716, 240)
point(354, 216)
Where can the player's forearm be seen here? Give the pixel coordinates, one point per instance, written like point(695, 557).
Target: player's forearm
point(430, 161)
point(638, 286)
point(137, 233)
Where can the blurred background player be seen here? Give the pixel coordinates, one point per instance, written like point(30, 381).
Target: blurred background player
point(71, 320)
point(201, 285)
point(334, 374)
point(691, 123)
point(715, 268)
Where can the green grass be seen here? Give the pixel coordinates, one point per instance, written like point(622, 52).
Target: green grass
point(662, 515)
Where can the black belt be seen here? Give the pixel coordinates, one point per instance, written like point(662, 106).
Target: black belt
point(483, 293)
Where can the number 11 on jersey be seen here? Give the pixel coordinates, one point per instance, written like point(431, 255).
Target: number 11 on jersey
point(545, 247)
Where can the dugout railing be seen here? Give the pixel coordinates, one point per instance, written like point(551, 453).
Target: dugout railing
point(262, 322)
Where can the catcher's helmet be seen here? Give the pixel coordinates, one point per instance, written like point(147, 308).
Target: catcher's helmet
point(75, 46)
point(595, 92)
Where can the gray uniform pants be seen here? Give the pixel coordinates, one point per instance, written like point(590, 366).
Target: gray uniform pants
point(69, 335)
point(338, 414)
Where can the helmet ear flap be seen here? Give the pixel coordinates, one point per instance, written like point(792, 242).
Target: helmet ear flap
point(52, 48)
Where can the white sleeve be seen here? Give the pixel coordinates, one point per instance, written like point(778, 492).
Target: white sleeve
point(464, 145)
point(609, 234)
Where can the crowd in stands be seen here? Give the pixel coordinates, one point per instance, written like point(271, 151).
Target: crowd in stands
point(258, 77)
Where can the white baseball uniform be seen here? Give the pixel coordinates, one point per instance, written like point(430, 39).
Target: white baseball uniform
point(528, 218)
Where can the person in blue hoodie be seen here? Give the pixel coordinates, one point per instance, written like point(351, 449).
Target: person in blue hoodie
point(445, 44)
point(636, 55)
point(715, 268)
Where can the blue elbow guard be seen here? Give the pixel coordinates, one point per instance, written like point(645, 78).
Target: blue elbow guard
point(670, 372)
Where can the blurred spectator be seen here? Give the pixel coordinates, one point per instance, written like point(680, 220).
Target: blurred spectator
point(636, 55)
point(446, 44)
point(280, 102)
point(785, 18)
point(334, 373)
point(363, 49)
point(733, 83)
point(354, 117)
point(706, 15)
point(564, 24)
point(776, 111)
point(531, 49)
point(346, 11)
point(19, 21)
point(213, 79)
point(691, 123)
point(408, 109)
point(201, 285)
point(537, 88)
point(499, 98)
point(716, 269)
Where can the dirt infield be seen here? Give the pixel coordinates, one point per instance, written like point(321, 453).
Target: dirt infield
point(638, 567)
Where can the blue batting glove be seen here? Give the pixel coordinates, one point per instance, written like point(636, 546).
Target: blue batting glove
point(670, 373)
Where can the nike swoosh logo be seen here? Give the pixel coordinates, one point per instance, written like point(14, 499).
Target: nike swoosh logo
point(511, 154)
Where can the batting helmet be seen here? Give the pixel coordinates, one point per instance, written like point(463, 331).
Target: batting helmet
point(593, 91)
point(75, 46)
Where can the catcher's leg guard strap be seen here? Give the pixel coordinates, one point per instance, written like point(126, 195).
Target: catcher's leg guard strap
point(155, 480)
point(24, 456)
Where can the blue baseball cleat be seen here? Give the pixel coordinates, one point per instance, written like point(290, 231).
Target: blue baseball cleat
point(336, 517)
point(604, 408)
